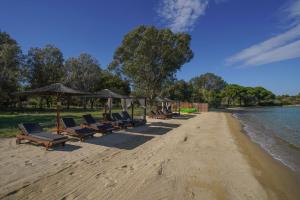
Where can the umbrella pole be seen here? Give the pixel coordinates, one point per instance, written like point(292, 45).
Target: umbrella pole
point(110, 105)
point(57, 115)
point(145, 110)
point(132, 107)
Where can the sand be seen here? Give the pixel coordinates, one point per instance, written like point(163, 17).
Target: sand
point(205, 156)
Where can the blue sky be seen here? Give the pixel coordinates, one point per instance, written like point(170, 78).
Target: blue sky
point(248, 42)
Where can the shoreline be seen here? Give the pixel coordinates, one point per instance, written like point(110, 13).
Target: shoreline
point(271, 173)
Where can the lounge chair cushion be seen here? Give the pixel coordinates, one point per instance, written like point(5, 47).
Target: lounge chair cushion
point(48, 136)
point(29, 128)
point(100, 126)
point(126, 115)
point(68, 122)
point(80, 131)
point(89, 119)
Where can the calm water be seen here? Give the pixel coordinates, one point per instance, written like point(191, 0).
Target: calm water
point(277, 130)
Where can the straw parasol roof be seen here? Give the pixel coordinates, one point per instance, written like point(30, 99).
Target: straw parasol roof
point(56, 89)
point(106, 93)
point(159, 99)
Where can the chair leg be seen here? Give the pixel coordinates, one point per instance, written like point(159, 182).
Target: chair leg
point(18, 141)
point(47, 146)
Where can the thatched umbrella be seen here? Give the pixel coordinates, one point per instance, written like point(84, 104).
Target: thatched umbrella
point(58, 90)
point(108, 94)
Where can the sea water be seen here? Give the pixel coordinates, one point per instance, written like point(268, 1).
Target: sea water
point(277, 130)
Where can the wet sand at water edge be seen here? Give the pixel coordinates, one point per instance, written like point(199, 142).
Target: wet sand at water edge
point(204, 156)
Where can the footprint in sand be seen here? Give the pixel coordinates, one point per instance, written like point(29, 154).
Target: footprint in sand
point(109, 182)
point(28, 163)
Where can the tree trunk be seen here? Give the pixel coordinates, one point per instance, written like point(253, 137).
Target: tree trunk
point(92, 103)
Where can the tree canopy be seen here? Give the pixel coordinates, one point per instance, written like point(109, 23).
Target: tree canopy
point(178, 90)
point(44, 66)
point(83, 72)
point(10, 67)
point(207, 88)
point(149, 56)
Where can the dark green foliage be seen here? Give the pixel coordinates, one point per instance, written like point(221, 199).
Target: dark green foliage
point(207, 88)
point(113, 82)
point(178, 89)
point(82, 73)
point(10, 68)
point(235, 94)
point(44, 66)
point(288, 100)
point(149, 57)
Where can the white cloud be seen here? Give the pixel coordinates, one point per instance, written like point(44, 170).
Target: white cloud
point(281, 47)
point(181, 15)
point(286, 52)
point(268, 45)
point(292, 12)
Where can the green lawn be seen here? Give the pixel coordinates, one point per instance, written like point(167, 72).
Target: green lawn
point(10, 120)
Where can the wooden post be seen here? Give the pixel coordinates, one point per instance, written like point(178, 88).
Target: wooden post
point(57, 115)
point(110, 105)
point(132, 107)
point(145, 109)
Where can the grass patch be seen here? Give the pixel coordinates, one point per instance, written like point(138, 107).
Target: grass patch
point(47, 119)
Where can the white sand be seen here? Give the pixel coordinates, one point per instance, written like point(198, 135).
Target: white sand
point(198, 158)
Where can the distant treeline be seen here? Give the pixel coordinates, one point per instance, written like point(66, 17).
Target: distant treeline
point(144, 64)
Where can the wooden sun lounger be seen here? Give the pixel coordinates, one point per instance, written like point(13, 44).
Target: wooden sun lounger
point(97, 126)
point(168, 115)
point(135, 122)
point(70, 127)
point(115, 123)
point(33, 132)
point(157, 116)
point(118, 117)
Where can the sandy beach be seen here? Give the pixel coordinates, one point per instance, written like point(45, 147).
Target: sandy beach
point(201, 156)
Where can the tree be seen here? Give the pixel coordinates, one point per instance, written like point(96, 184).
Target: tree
point(149, 56)
point(44, 66)
point(246, 96)
point(178, 89)
point(207, 88)
point(113, 82)
point(83, 72)
point(10, 67)
point(208, 81)
point(232, 93)
point(263, 96)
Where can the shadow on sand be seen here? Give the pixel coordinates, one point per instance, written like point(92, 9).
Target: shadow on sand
point(67, 147)
point(163, 124)
point(184, 117)
point(120, 140)
point(58, 147)
point(154, 128)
